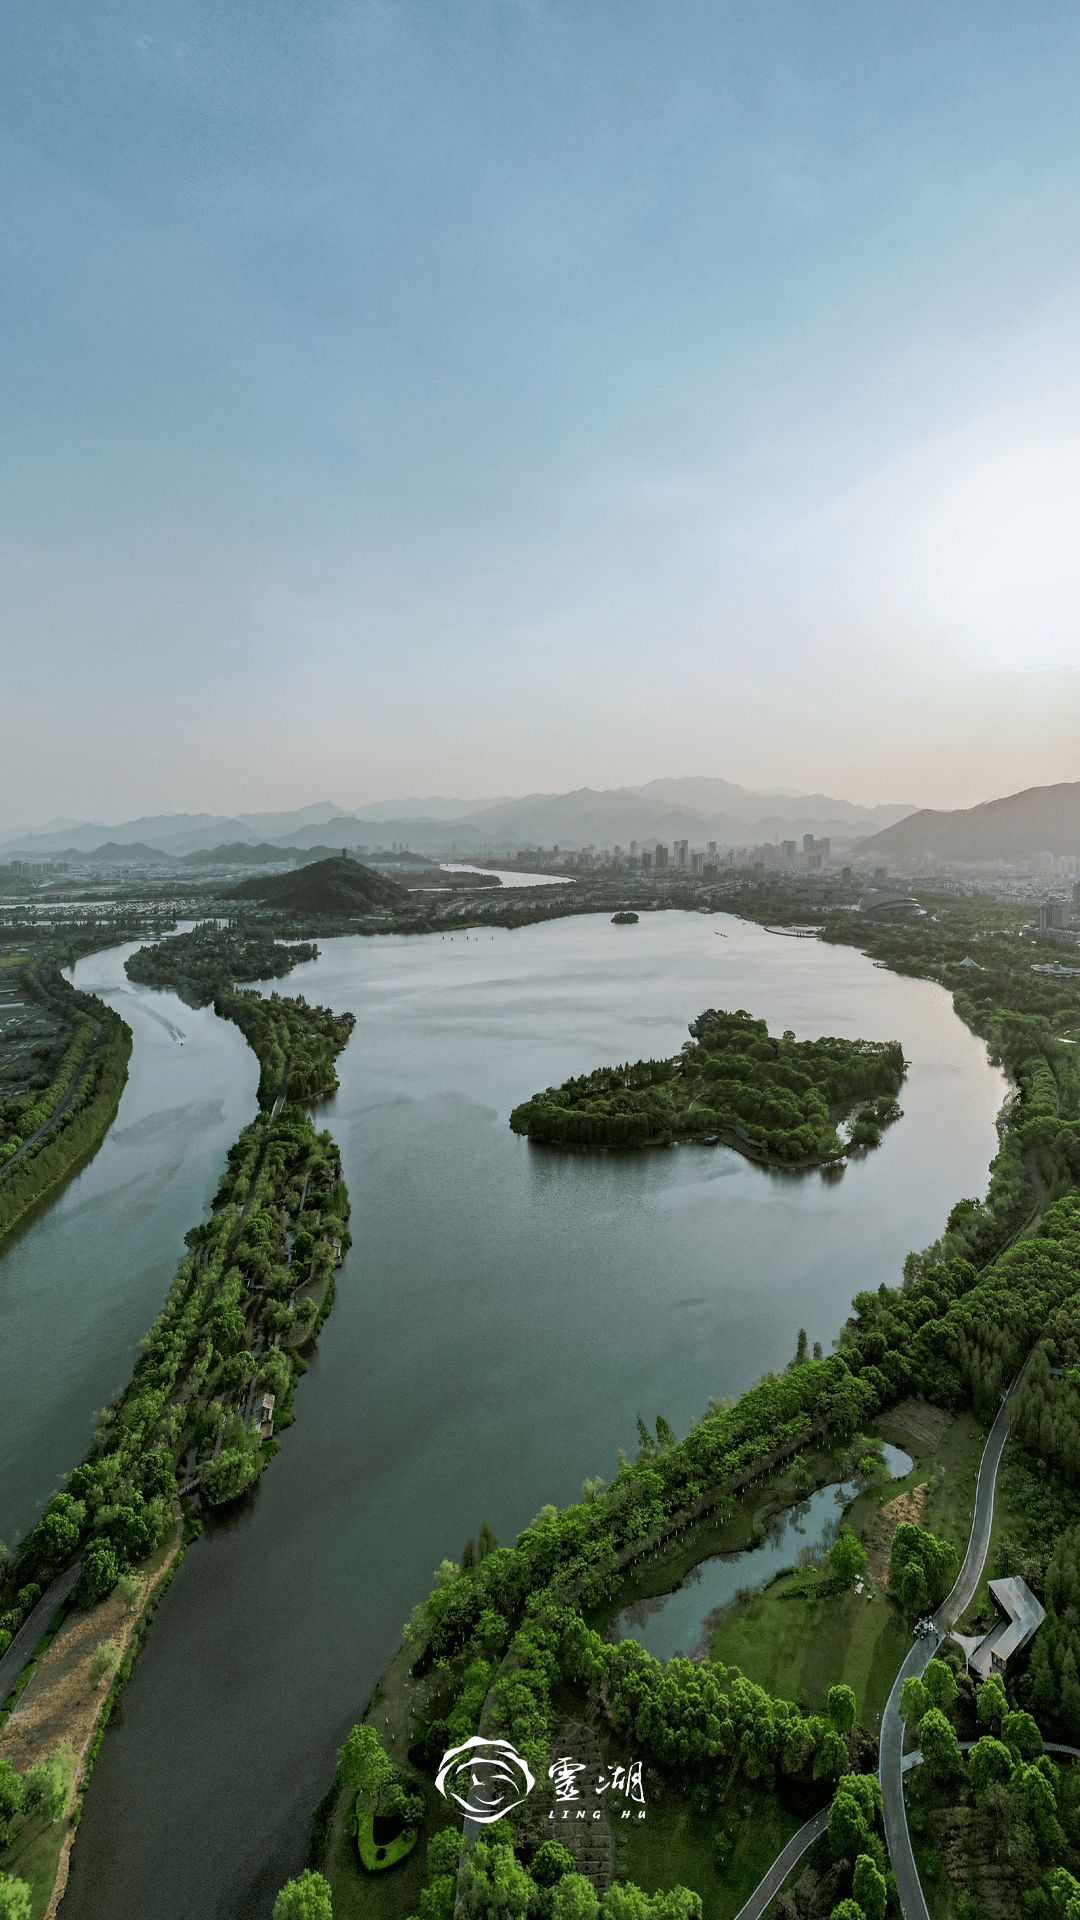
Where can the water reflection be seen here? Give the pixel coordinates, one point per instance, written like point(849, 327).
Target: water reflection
point(681, 1622)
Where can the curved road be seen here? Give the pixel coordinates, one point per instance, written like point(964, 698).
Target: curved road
point(783, 1864)
point(891, 1762)
point(890, 1755)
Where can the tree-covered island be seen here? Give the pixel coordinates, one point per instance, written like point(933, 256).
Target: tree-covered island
point(778, 1100)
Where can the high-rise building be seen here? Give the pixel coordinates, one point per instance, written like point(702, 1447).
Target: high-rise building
point(787, 851)
point(681, 847)
point(661, 855)
point(646, 860)
point(712, 847)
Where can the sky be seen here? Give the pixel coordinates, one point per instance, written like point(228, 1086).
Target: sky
point(453, 398)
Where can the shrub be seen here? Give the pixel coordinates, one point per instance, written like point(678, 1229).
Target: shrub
point(307, 1898)
point(103, 1660)
point(14, 1898)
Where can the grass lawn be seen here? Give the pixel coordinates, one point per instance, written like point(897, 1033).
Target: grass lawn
point(674, 1847)
point(34, 1850)
point(798, 1649)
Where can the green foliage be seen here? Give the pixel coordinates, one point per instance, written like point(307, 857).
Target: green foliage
point(306, 1898)
point(574, 1898)
point(103, 1660)
point(914, 1701)
point(848, 1909)
point(15, 1898)
point(940, 1685)
point(492, 1882)
point(44, 1792)
point(362, 1763)
point(922, 1570)
point(842, 1707)
point(869, 1888)
point(1019, 1730)
point(11, 1797)
point(550, 1862)
point(780, 1097)
point(989, 1761)
point(991, 1702)
point(100, 1572)
point(940, 1750)
point(855, 1808)
point(295, 1043)
point(847, 1556)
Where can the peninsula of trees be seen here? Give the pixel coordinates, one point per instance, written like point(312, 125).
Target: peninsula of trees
point(63, 1059)
point(779, 1100)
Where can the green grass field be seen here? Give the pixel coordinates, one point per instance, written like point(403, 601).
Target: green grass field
point(798, 1649)
point(33, 1853)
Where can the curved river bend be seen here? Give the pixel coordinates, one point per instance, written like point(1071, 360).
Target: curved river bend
point(503, 1317)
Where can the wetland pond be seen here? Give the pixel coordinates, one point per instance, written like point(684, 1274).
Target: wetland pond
point(504, 1315)
point(681, 1622)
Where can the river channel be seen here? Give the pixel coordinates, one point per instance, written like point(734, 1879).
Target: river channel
point(503, 1317)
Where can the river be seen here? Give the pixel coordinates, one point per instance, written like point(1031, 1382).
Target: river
point(504, 1315)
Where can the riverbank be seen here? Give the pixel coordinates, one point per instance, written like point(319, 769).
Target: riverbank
point(558, 1307)
point(47, 1132)
point(62, 1710)
point(200, 1420)
point(964, 1361)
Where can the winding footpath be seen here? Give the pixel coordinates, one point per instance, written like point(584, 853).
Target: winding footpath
point(892, 1764)
point(890, 1758)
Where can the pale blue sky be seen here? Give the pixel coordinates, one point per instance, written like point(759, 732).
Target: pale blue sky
point(476, 398)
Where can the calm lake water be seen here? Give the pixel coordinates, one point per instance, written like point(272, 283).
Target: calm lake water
point(503, 1317)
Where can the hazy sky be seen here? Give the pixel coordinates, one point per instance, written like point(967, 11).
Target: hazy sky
point(475, 398)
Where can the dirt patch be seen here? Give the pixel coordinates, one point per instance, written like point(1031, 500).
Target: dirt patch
point(927, 1425)
point(61, 1702)
point(906, 1506)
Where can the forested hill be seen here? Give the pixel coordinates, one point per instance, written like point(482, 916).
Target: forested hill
point(340, 887)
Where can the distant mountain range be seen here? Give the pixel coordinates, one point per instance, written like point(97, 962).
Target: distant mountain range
point(1019, 827)
point(697, 809)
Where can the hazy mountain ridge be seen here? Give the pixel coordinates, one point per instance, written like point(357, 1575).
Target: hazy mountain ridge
point(1018, 827)
point(586, 816)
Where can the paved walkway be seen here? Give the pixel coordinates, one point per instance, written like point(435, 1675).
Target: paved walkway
point(17, 1655)
point(783, 1864)
point(912, 1903)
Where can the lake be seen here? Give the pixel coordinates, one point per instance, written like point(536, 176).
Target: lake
point(505, 1314)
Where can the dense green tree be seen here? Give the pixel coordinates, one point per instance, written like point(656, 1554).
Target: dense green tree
point(989, 1761)
point(848, 1909)
point(362, 1762)
point(914, 1702)
point(1020, 1731)
point(100, 1572)
point(574, 1898)
point(869, 1888)
point(15, 1898)
point(847, 1555)
point(940, 1750)
point(1039, 1802)
point(493, 1883)
point(842, 1706)
point(44, 1793)
point(991, 1702)
point(11, 1797)
point(551, 1861)
point(306, 1898)
point(940, 1684)
point(922, 1570)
